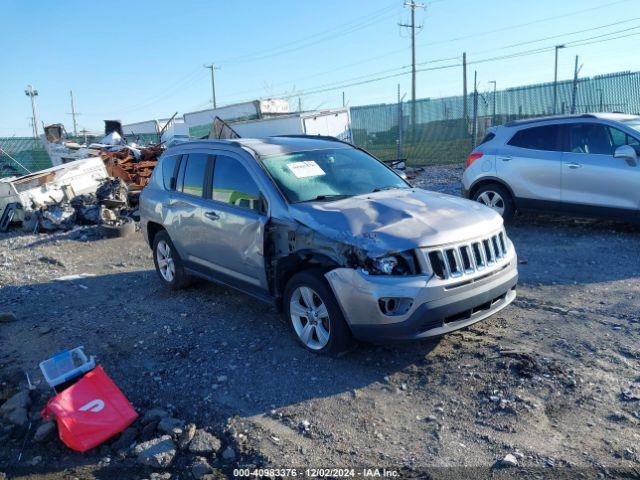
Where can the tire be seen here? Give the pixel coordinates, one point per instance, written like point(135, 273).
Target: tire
point(498, 198)
point(322, 334)
point(174, 277)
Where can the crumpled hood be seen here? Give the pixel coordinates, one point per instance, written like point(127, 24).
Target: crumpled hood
point(397, 220)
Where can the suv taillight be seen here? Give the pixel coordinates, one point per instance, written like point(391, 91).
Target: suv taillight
point(472, 158)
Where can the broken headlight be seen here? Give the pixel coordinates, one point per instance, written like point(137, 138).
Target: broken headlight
point(396, 264)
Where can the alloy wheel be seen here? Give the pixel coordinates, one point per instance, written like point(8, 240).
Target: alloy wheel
point(310, 317)
point(166, 264)
point(492, 200)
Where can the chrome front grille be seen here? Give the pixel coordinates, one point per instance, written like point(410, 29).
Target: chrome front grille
point(466, 258)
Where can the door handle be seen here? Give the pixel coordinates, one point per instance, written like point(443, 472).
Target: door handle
point(211, 215)
point(573, 165)
point(505, 159)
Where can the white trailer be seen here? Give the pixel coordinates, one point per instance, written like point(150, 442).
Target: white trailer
point(332, 123)
point(149, 126)
point(200, 122)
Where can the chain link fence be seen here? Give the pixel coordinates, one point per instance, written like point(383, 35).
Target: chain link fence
point(443, 128)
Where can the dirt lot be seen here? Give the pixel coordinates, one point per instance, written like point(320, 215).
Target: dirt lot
point(553, 380)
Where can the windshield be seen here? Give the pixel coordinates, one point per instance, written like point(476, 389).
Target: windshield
point(635, 124)
point(331, 174)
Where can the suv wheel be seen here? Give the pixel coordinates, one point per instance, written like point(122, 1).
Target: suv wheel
point(314, 314)
point(168, 263)
point(497, 198)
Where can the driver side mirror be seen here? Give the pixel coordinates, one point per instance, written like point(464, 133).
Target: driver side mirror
point(628, 153)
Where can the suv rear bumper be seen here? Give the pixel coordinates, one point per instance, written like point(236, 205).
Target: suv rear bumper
point(435, 310)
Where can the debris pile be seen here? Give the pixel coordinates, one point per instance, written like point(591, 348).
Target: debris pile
point(132, 165)
point(109, 207)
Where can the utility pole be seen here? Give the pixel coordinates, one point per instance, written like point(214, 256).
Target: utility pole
point(413, 5)
point(30, 92)
point(465, 110)
point(343, 102)
point(213, 68)
point(555, 79)
point(574, 90)
point(493, 117)
point(73, 115)
point(474, 131)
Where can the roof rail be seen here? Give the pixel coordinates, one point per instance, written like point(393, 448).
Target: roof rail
point(316, 137)
point(527, 121)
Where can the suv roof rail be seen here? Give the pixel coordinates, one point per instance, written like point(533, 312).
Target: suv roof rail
point(317, 137)
point(547, 119)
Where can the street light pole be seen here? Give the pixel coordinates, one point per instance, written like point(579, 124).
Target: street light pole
point(30, 92)
point(495, 85)
point(555, 79)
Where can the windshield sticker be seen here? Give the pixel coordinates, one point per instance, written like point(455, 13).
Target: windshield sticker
point(305, 169)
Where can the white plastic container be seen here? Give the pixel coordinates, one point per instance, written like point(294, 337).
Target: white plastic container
point(66, 366)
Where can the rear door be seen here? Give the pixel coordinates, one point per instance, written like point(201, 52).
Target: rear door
point(233, 221)
point(591, 176)
point(183, 211)
point(531, 164)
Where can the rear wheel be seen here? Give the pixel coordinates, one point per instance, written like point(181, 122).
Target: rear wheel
point(497, 198)
point(168, 263)
point(314, 314)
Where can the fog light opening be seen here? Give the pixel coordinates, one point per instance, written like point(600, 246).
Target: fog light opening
point(393, 306)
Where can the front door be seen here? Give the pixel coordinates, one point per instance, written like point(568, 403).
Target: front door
point(591, 176)
point(233, 223)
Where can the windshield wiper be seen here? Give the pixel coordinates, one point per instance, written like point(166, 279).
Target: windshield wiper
point(334, 196)
point(382, 189)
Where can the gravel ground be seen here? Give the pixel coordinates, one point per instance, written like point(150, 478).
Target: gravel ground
point(551, 382)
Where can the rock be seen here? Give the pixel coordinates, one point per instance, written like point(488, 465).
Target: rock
point(127, 438)
point(19, 400)
point(171, 425)
point(149, 431)
point(186, 436)
point(18, 417)
point(203, 442)
point(509, 460)
point(201, 468)
point(44, 432)
point(156, 453)
point(228, 454)
point(154, 415)
point(222, 378)
point(160, 476)
point(304, 425)
point(35, 461)
point(6, 317)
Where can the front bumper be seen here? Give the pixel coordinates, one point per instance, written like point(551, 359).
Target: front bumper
point(436, 308)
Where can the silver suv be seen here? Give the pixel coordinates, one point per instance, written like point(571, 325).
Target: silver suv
point(585, 165)
point(330, 235)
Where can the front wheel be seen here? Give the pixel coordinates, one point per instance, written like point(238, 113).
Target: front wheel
point(497, 198)
point(314, 314)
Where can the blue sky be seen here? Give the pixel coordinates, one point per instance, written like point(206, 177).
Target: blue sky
point(137, 60)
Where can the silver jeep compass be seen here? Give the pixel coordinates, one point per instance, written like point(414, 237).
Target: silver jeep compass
point(330, 235)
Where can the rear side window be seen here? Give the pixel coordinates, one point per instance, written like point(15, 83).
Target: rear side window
point(194, 174)
point(537, 138)
point(233, 184)
point(487, 138)
point(168, 170)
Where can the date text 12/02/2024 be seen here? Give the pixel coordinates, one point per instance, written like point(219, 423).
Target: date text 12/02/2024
point(316, 472)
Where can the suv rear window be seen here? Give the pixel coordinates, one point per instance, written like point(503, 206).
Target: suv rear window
point(168, 169)
point(194, 173)
point(537, 138)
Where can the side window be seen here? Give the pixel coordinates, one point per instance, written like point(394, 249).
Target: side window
point(194, 174)
point(620, 138)
point(233, 184)
point(537, 138)
point(168, 170)
point(590, 138)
